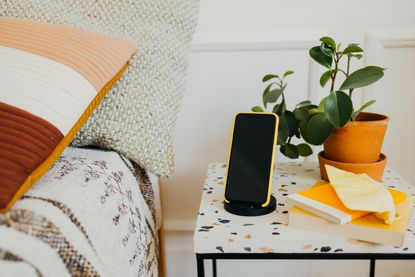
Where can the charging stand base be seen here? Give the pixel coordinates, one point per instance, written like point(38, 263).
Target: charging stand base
point(249, 209)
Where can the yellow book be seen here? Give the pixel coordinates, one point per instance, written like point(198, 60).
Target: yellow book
point(323, 201)
point(367, 228)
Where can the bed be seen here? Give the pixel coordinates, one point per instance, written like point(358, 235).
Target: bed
point(94, 213)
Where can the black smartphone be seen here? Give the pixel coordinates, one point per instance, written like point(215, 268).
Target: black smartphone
point(251, 158)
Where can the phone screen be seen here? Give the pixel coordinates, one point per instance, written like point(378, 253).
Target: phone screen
point(251, 158)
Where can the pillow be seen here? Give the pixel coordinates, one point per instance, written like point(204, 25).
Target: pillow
point(52, 78)
point(137, 117)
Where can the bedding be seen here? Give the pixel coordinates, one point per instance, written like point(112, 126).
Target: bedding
point(138, 115)
point(86, 217)
point(52, 77)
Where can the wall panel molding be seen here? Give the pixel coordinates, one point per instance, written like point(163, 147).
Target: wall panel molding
point(277, 41)
point(254, 41)
point(375, 42)
point(396, 39)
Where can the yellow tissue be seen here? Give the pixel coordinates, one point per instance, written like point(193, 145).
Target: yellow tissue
point(360, 192)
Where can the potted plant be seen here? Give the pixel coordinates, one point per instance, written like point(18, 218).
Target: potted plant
point(352, 139)
point(289, 121)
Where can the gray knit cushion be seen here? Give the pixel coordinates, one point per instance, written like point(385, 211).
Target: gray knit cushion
point(138, 115)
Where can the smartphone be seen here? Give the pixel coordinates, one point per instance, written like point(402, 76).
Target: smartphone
point(251, 158)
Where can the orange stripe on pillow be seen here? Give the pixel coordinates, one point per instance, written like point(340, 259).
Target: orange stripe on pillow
point(96, 57)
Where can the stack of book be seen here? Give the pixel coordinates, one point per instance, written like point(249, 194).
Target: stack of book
point(320, 209)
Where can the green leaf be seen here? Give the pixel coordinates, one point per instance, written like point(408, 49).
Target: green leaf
point(338, 108)
point(319, 57)
point(276, 109)
point(314, 111)
point(287, 121)
point(292, 122)
point(267, 89)
point(269, 77)
point(363, 77)
point(364, 106)
point(283, 135)
point(352, 48)
point(326, 50)
point(283, 107)
point(322, 104)
point(303, 130)
point(302, 113)
point(257, 109)
point(318, 129)
point(304, 149)
point(297, 133)
point(272, 96)
point(324, 78)
point(288, 73)
point(290, 150)
point(329, 41)
point(304, 103)
point(358, 56)
point(283, 129)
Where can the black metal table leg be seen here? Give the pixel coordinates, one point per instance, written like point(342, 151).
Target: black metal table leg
point(371, 257)
point(200, 266)
point(372, 267)
point(214, 269)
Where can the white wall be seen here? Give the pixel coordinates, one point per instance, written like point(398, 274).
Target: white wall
point(238, 41)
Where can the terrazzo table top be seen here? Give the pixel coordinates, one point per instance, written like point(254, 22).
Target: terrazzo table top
point(218, 231)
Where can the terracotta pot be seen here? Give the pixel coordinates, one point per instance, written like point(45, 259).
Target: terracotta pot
point(374, 170)
point(358, 141)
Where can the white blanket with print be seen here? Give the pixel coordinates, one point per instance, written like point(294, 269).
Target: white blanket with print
point(86, 217)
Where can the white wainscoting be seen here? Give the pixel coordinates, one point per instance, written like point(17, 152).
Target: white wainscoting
point(248, 42)
point(395, 96)
point(236, 44)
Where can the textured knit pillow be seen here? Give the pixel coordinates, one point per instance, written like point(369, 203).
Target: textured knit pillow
point(137, 117)
point(51, 79)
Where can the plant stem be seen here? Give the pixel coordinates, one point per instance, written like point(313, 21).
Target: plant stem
point(282, 94)
point(283, 106)
point(333, 77)
point(348, 71)
point(348, 65)
point(342, 71)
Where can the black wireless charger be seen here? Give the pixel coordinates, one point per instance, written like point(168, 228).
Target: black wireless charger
point(250, 209)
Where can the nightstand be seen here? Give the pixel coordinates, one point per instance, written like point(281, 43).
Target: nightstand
point(221, 235)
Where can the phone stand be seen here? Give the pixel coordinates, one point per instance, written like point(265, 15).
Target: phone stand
point(249, 209)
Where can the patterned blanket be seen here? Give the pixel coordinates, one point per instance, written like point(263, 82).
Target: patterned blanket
point(86, 217)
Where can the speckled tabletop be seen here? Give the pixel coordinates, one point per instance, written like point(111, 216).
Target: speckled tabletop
point(218, 231)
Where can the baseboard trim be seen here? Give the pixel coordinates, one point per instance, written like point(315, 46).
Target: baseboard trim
point(179, 248)
point(179, 236)
point(179, 225)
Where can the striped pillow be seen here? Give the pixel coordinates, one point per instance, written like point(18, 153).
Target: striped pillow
point(51, 79)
